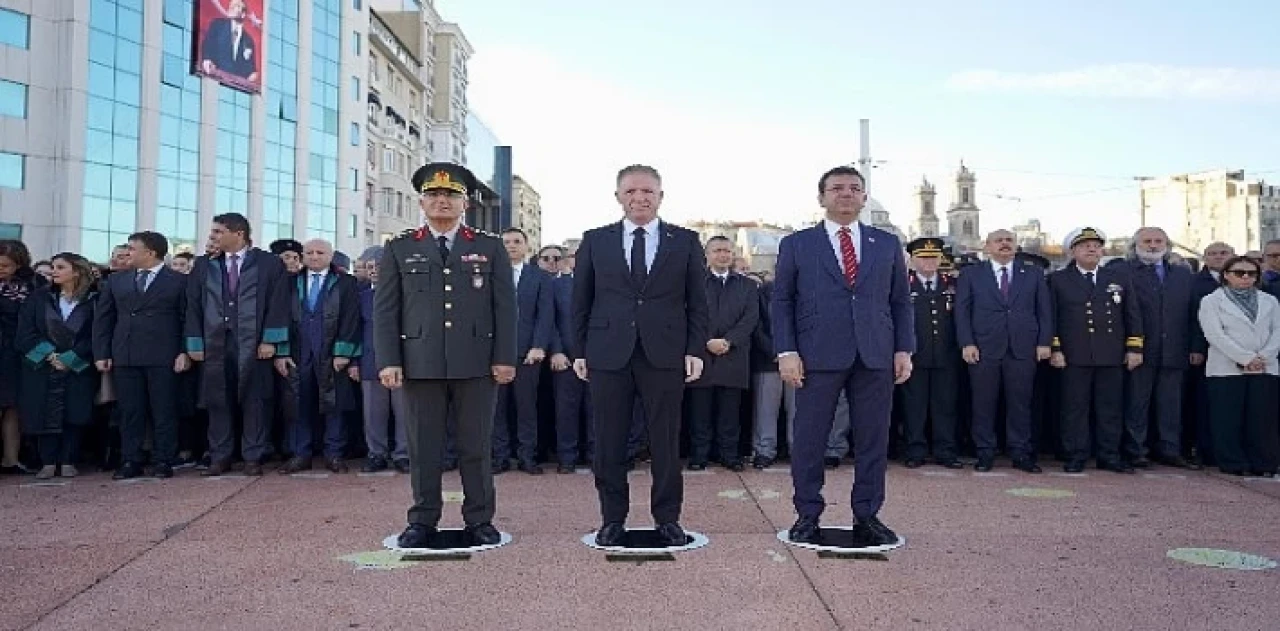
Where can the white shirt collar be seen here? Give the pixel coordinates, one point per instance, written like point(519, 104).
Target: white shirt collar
point(928, 279)
point(324, 272)
point(242, 253)
point(154, 270)
point(833, 229)
point(1093, 271)
point(453, 232)
point(650, 228)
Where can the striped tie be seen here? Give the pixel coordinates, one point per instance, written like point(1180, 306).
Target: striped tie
point(848, 256)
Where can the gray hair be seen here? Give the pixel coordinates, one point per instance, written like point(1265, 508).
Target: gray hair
point(1132, 252)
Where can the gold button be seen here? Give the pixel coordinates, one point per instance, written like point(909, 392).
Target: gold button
point(448, 287)
point(448, 324)
point(448, 305)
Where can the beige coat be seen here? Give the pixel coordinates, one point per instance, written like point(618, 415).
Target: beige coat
point(1233, 339)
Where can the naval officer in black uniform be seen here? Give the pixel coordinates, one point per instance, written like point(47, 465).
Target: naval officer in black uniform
point(445, 331)
point(931, 390)
point(1098, 336)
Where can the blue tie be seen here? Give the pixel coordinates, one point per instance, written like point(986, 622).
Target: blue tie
point(313, 294)
point(1160, 272)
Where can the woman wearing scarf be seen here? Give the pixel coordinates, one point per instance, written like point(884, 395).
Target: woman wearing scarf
point(55, 338)
point(17, 281)
point(1242, 325)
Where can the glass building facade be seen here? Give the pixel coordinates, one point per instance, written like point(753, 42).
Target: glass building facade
point(113, 120)
point(326, 55)
point(178, 161)
point(281, 96)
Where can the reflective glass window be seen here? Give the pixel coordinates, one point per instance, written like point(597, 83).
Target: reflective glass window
point(13, 99)
point(15, 29)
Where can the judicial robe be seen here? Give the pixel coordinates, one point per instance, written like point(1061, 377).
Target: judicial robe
point(53, 399)
point(340, 320)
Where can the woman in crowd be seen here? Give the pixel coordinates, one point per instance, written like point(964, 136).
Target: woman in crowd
point(55, 337)
point(17, 281)
point(1242, 325)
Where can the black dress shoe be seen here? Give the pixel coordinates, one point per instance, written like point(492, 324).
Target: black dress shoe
point(216, 469)
point(736, 467)
point(566, 468)
point(484, 534)
point(1028, 466)
point(127, 471)
point(913, 463)
point(1074, 466)
point(760, 462)
point(697, 466)
point(951, 463)
point(416, 536)
point(1117, 467)
point(1140, 463)
point(1175, 461)
point(295, 465)
point(374, 464)
point(672, 534)
point(162, 471)
point(831, 462)
point(805, 530)
point(883, 534)
point(531, 468)
point(984, 464)
point(610, 535)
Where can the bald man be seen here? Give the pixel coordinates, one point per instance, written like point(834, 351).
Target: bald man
point(325, 337)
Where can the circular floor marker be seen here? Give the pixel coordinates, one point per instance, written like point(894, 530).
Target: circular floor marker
point(1053, 494)
point(645, 541)
point(377, 560)
point(839, 539)
point(1222, 559)
point(447, 542)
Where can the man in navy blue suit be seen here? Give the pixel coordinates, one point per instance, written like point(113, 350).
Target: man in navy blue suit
point(842, 322)
point(572, 397)
point(1004, 324)
point(535, 321)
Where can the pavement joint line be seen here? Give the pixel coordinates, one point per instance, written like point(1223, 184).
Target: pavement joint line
point(790, 552)
point(168, 533)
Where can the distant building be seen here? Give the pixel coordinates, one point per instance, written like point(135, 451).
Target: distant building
point(755, 241)
point(927, 224)
point(1197, 209)
point(528, 211)
point(1030, 236)
point(962, 218)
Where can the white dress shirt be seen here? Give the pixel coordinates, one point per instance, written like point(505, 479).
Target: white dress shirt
point(1093, 271)
point(240, 261)
point(930, 283)
point(651, 236)
point(151, 275)
point(448, 236)
point(66, 306)
point(997, 266)
point(515, 273)
point(833, 233)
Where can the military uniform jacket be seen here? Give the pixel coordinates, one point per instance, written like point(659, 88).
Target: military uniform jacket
point(439, 320)
point(1167, 310)
point(936, 345)
point(1096, 323)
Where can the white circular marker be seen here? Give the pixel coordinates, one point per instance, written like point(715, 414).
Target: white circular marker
point(785, 537)
point(696, 540)
point(392, 543)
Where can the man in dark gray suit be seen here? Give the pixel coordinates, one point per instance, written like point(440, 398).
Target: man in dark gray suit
point(445, 331)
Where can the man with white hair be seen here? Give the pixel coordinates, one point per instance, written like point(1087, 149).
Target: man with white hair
point(1164, 297)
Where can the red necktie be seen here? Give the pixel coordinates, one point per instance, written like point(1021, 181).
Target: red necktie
point(848, 256)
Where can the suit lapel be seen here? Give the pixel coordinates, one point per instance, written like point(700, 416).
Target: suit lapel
point(826, 253)
point(993, 271)
point(666, 243)
point(1017, 278)
point(868, 249)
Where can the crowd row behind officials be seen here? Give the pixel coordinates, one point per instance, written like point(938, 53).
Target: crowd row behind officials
point(253, 355)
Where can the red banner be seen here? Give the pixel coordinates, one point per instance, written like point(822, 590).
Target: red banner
point(229, 42)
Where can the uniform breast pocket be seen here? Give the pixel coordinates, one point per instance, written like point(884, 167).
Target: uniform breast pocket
point(417, 276)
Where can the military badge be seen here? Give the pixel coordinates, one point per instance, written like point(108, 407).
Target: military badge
point(1115, 292)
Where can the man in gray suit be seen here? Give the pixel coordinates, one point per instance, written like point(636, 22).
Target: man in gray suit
point(445, 331)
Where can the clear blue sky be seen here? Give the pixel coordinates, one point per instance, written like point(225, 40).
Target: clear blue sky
point(1160, 88)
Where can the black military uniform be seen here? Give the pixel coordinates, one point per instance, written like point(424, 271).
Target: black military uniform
point(445, 314)
point(1098, 321)
point(932, 388)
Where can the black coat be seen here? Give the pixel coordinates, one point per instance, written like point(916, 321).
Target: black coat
point(763, 356)
point(734, 310)
point(53, 399)
point(1166, 311)
point(1096, 323)
point(936, 345)
point(1202, 284)
point(12, 296)
point(133, 329)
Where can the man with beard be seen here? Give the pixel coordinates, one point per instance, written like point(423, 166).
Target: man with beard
point(1197, 440)
point(1164, 297)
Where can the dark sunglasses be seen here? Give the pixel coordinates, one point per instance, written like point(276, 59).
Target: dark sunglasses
point(550, 258)
point(1242, 273)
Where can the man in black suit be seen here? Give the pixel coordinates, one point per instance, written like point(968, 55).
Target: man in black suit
point(535, 321)
point(228, 48)
point(640, 323)
point(1163, 293)
point(137, 337)
point(733, 304)
point(1004, 325)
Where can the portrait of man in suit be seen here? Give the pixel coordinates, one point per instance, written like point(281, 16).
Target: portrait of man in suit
point(640, 326)
point(842, 323)
point(228, 48)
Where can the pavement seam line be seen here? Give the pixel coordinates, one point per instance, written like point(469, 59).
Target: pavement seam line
point(790, 550)
point(129, 561)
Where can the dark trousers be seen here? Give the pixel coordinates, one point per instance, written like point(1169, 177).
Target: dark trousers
point(518, 402)
point(226, 407)
point(427, 404)
point(144, 392)
point(870, 396)
point(301, 430)
point(714, 416)
point(1244, 409)
point(1163, 386)
point(572, 397)
point(661, 392)
point(1099, 387)
point(930, 391)
point(1197, 428)
point(60, 448)
point(1018, 376)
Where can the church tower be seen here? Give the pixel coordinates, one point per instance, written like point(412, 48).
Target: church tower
point(962, 217)
point(927, 219)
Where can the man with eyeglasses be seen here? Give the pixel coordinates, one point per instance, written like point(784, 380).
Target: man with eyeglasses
point(549, 259)
point(1271, 261)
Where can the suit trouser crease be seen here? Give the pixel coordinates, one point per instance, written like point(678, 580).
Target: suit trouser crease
point(426, 405)
point(771, 394)
point(1102, 389)
point(572, 397)
point(224, 407)
point(1154, 386)
point(301, 438)
point(147, 393)
point(1017, 376)
point(522, 395)
point(380, 404)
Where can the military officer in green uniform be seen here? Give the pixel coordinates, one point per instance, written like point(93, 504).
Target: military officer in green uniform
point(445, 331)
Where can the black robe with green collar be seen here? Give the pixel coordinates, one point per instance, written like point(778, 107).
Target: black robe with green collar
point(50, 399)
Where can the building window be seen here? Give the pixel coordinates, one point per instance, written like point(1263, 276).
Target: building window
point(355, 89)
point(15, 29)
point(13, 99)
point(353, 176)
point(353, 228)
point(355, 4)
point(355, 43)
point(13, 170)
point(964, 196)
point(355, 134)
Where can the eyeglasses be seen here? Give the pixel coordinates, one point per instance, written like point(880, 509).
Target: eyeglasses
point(1243, 273)
point(550, 258)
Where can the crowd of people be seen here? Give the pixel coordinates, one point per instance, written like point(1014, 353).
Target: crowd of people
point(129, 367)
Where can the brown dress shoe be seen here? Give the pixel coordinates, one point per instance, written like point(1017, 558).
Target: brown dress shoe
point(216, 469)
